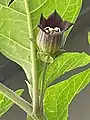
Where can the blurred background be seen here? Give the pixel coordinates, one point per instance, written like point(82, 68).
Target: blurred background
point(13, 76)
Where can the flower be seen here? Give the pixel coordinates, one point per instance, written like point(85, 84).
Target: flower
point(50, 36)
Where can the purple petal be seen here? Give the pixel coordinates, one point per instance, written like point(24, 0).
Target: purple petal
point(43, 23)
point(66, 25)
point(54, 20)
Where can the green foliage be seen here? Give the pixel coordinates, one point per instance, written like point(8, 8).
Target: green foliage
point(63, 64)
point(58, 97)
point(14, 39)
point(15, 44)
point(5, 103)
point(89, 37)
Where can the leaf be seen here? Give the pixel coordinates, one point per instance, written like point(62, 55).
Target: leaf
point(59, 96)
point(14, 39)
point(89, 37)
point(5, 103)
point(65, 63)
point(30, 88)
point(4, 2)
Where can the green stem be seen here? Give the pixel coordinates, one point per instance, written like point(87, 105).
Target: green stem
point(34, 63)
point(16, 99)
point(42, 86)
point(29, 117)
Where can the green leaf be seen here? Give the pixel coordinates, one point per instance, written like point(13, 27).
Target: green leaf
point(30, 89)
point(89, 37)
point(65, 63)
point(14, 39)
point(59, 96)
point(4, 2)
point(5, 103)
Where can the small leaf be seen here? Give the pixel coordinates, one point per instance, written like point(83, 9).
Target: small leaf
point(65, 63)
point(59, 96)
point(5, 103)
point(30, 89)
point(89, 37)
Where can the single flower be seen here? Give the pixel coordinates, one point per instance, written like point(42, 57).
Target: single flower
point(50, 36)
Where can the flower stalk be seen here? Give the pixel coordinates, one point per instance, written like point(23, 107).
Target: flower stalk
point(42, 86)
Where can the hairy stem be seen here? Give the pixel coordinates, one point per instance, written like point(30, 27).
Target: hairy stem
point(16, 99)
point(34, 63)
point(42, 86)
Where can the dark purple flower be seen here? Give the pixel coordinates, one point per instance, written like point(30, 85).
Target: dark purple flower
point(50, 36)
point(54, 20)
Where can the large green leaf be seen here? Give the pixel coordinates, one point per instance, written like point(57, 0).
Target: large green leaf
point(14, 39)
point(5, 103)
point(65, 63)
point(59, 96)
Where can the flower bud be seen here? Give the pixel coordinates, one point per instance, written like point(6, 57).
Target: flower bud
point(50, 40)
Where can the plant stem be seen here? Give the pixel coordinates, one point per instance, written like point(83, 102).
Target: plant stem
point(29, 117)
point(34, 63)
point(16, 99)
point(42, 86)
